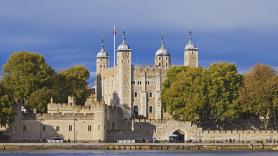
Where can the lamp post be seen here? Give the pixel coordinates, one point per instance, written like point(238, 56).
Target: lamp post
point(41, 127)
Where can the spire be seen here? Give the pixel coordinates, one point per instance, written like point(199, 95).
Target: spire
point(102, 52)
point(190, 44)
point(190, 36)
point(162, 41)
point(102, 42)
point(123, 36)
point(123, 46)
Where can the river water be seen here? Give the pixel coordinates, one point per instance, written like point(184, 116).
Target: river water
point(139, 153)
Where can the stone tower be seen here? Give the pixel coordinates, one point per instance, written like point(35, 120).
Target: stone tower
point(124, 76)
point(102, 62)
point(162, 57)
point(190, 53)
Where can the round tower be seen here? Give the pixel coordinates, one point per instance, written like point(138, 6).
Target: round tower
point(124, 73)
point(162, 57)
point(191, 53)
point(100, 113)
point(102, 62)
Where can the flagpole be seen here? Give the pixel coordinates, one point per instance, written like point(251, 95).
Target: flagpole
point(114, 35)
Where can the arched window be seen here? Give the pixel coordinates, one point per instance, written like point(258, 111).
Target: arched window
point(150, 109)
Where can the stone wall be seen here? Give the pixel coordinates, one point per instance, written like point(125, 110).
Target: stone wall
point(247, 135)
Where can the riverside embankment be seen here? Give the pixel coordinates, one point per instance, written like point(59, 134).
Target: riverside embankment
point(137, 146)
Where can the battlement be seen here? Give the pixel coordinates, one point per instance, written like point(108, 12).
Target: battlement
point(65, 108)
point(258, 132)
point(59, 116)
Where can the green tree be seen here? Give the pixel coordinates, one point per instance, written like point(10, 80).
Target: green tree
point(39, 99)
point(6, 101)
point(26, 72)
point(259, 93)
point(183, 93)
point(224, 83)
point(72, 82)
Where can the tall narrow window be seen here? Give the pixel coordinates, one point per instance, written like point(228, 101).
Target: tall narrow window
point(24, 128)
point(151, 94)
point(44, 128)
point(70, 127)
point(135, 94)
point(159, 64)
point(57, 128)
point(89, 128)
point(113, 126)
point(151, 109)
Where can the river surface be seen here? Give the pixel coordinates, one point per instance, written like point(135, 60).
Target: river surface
point(139, 153)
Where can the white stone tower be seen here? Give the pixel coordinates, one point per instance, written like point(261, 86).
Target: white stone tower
point(190, 53)
point(125, 76)
point(102, 62)
point(162, 57)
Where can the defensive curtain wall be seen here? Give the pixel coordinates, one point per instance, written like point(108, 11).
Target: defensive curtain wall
point(106, 124)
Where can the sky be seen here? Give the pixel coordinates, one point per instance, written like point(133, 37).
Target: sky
point(67, 32)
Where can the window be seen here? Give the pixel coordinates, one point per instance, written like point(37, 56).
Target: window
point(98, 127)
point(135, 94)
point(151, 109)
point(89, 128)
point(113, 126)
point(166, 64)
point(192, 52)
point(24, 128)
point(70, 127)
point(159, 64)
point(44, 128)
point(151, 94)
point(57, 128)
point(100, 66)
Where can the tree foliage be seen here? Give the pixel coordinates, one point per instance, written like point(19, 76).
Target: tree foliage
point(202, 94)
point(39, 99)
point(183, 93)
point(223, 86)
point(26, 72)
point(72, 82)
point(259, 93)
point(6, 101)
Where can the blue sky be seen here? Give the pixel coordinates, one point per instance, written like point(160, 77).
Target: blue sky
point(67, 32)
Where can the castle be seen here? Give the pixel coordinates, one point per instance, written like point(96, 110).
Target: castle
point(135, 88)
point(126, 106)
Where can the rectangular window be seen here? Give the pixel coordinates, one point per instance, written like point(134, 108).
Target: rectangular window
point(135, 94)
point(151, 94)
point(57, 128)
point(70, 127)
point(151, 109)
point(89, 128)
point(24, 128)
point(113, 126)
point(44, 128)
